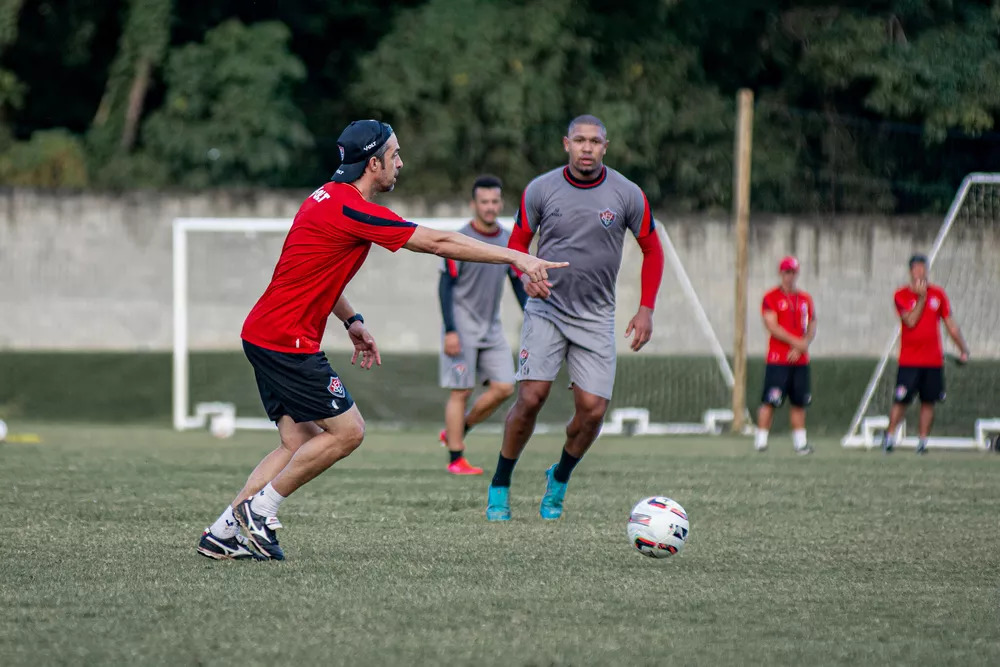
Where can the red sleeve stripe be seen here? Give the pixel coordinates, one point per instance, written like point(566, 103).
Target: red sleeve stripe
point(522, 213)
point(520, 240)
point(452, 268)
point(647, 218)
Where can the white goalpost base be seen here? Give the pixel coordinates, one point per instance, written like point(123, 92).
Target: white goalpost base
point(873, 427)
point(220, 416)
point(866, 430)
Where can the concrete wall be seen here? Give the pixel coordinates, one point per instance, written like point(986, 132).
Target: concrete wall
point(93, 271)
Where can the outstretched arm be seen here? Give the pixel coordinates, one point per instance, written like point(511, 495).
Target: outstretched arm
point(459, 246)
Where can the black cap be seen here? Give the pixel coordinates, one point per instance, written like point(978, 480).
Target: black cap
point(357, 143)
point(918, 259)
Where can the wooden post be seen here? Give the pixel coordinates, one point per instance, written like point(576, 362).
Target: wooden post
point(741, 224)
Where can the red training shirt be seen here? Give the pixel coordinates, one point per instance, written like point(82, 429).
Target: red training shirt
point(326, 245)
point(795, 311)
point(921, 344)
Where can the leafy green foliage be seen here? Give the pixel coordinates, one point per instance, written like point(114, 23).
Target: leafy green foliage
point(51, 158)
point(229, 116)
point(861, 106)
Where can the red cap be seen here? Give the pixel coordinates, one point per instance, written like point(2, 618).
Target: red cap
point(789, 264)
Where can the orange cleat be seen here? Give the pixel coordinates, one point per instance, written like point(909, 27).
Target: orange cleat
point(463, 467)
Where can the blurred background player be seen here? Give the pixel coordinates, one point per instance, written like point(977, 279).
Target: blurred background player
point(581, 211)
point(921, 307)
point(474, 348)
point(318, 422)
point(790, 320)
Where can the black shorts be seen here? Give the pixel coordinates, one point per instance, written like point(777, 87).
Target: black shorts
point(782, 380)
point(923, 380)
point(302, 386)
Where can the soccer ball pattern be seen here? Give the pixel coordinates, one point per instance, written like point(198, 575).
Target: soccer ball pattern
point(658, 527)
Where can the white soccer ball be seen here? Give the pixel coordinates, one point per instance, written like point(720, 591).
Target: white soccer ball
point(3, 430)
point(223, 425)
point(658, 527)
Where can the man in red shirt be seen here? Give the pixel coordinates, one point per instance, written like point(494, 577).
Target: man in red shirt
point(921, 307)
point(790, 319)
point(318, 423)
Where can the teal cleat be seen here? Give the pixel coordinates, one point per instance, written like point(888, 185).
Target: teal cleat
point(498, 504)
point(555, 492)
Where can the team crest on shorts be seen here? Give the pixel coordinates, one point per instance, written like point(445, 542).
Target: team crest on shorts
point(900, 392)
point(607, 217)
point(336, 387)
point(523, 356)
point(774, 396)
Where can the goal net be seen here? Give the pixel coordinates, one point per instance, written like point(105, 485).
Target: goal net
point(963, 261)
point(680, 383)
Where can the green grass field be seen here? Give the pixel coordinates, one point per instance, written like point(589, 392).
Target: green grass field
point(843, 557)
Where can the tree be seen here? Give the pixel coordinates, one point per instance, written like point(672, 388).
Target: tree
point(228, 117)
point(490, 85)
point(142, 48)
point(11, 88)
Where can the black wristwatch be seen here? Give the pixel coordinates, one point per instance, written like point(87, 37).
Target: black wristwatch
point(356, 317)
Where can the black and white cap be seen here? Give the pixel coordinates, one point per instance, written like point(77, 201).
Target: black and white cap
point(357, 143)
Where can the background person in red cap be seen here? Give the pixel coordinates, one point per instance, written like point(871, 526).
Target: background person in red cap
point(922, 307)
point(791, 320)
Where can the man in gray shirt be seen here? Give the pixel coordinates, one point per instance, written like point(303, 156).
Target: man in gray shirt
point(474, 348)
point(581, 213)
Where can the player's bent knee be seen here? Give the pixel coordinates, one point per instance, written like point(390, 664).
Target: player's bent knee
point(531, 396)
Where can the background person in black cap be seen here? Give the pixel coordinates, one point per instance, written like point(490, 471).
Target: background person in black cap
point(318, 423)
point(921, 308)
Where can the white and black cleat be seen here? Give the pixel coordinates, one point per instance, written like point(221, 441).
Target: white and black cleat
point(260, 530)
point(805, 450)
point(233, 548)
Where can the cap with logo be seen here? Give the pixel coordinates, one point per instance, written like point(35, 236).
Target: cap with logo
point(357, 143)
point(788, 263)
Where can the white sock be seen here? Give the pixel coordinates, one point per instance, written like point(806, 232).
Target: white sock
point(760, 439)
point(799, 438)
point(225, 526)
point(266, 502)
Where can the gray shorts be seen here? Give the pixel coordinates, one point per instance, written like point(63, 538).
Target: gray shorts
point(477, 364)
point(589, 353)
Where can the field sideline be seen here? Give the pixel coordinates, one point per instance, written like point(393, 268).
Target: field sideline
point(842, 557)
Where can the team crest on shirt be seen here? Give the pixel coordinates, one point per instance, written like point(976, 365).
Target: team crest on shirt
point(607, 217)
point(782, 305)
point(336, 387)
point(934, 302)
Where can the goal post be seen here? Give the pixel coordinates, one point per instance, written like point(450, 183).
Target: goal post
point(972, 281)
point(697, 385)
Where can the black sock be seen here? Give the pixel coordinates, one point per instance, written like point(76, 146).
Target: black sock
point(468, 427)
point(505, 468)
point(456, 455)
point(566, 464)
